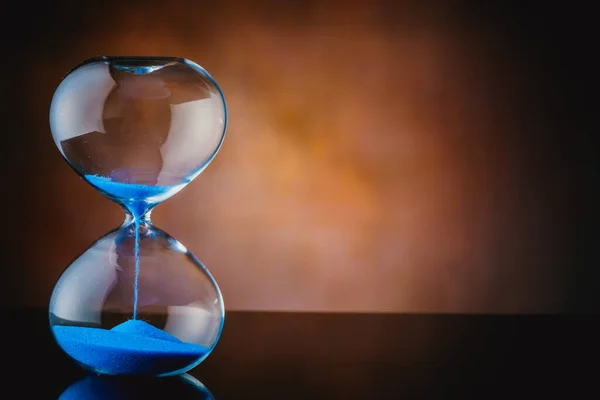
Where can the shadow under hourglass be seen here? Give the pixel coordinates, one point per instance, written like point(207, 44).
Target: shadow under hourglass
point(94, 387)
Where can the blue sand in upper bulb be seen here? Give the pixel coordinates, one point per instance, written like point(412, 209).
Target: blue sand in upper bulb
point(131, 348)
point(127, 190)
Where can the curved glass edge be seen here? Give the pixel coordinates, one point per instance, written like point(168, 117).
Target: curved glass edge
point(109, 59)
point(221, 313)
point(204, 72)
point(184, 61)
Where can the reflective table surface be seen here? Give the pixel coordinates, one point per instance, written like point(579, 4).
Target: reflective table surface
point(334, 356)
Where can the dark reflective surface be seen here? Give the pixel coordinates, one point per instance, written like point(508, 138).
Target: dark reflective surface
point(94, 387)
point(341, 356)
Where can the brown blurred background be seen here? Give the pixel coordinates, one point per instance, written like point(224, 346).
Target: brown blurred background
point(381, 156)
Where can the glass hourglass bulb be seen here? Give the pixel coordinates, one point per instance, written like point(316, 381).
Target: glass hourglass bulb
point(138, 129)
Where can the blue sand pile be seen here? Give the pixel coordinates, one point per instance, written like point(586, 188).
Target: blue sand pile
point(131, 348)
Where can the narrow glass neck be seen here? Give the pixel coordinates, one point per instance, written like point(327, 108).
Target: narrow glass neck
point(142, 220)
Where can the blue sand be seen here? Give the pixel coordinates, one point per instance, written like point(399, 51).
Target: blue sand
point(131, 348)
point(137, 327)
point(127, 190)
point(136, 253)
point(138, 193)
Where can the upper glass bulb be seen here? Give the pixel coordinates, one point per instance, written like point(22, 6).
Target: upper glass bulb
point(138, 128)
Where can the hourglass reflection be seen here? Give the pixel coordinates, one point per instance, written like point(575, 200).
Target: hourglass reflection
point(95, 387)
point(138, 129)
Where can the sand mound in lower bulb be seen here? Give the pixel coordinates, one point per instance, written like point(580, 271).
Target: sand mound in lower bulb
point(131, 348)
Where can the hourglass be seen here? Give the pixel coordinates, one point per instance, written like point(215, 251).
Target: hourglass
point(138, 129)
